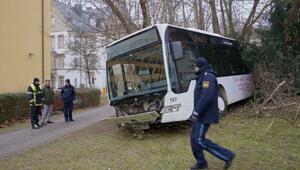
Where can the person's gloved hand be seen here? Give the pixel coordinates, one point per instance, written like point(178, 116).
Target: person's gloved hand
point(194, 117)
point(31, 102)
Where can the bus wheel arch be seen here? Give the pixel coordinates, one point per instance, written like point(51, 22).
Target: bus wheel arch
point(222, 99)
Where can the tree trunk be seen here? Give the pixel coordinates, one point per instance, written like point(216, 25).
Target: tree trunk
point(199, 14)
point(183, 15)
point(88, 70)
point(228, 9)
point(223, 18)
point(146, 17)
point(215, 20)
point(129, 28)
point(290, 34)
point(196, 14)
point(170, 11)
point(247, 28)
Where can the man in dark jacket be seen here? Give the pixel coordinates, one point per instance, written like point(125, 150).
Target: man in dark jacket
point(206, 113)
point(68, 95)
point(35, 97)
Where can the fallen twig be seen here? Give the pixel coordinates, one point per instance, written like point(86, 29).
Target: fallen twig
point(270, 125)
point(271, 95)
point(278, 107)
point(297, 113)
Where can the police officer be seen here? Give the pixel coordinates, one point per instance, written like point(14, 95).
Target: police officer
point(68, 95)
point(35, 97)
point(204, 114)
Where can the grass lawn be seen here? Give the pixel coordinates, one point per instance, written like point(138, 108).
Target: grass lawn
point(103, 146)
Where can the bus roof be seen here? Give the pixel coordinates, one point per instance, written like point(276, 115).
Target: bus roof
point(188, 29)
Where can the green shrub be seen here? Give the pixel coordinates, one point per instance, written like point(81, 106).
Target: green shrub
point(15, 106)
point(87, 97)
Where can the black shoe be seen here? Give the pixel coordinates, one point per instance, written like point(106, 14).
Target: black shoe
point(66, 120)
point(228, 163)
point(50, 122)
point(71, 120)
point(197, 166)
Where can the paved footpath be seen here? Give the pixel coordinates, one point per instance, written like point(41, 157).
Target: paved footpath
point(24, 139)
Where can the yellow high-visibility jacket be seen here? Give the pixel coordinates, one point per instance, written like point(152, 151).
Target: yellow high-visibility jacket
point(35, 95)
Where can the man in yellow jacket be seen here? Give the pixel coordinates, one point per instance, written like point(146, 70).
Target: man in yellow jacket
point(35, 97)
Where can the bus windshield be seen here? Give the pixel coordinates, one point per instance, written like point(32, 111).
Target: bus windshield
point(137, 72)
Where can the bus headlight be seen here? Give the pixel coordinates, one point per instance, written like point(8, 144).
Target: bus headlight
point(171, 108)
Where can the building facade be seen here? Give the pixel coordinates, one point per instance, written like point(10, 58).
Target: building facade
point(25, 43)
point(65, 19)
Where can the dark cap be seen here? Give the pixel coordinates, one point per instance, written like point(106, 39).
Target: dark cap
point(36, 80)
point(68, 81)
point(200, 62)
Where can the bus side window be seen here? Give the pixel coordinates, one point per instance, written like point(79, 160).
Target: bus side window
point(206, 50)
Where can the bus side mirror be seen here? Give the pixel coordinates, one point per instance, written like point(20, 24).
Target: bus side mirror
point(177, 51)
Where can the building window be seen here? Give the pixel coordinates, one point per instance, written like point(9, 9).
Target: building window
point(60, 62)
point(53, 61)
point(61, 42)
point(52, 22)
point(61, 81)
point(52, 41)
point(76, 63)
point(53, 81)
point(75, 82)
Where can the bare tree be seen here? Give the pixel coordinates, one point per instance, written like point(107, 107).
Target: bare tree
point(85, 46)
point(252, 18)
point(70, 2)
point(223, 18)
point(126, 16)
point(146, 17)
point(215, 20)
point(229, 15)
point(199, 14)
point(128, 26)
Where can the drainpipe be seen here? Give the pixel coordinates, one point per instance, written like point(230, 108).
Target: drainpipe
point(43, 45)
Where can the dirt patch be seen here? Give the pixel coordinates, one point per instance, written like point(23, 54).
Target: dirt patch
point(102, 126)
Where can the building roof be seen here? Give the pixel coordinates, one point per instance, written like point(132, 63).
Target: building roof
point(77, 18)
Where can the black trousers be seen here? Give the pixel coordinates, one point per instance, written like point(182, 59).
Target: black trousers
point(34, 112)
point(199, 143)
point(68, 109)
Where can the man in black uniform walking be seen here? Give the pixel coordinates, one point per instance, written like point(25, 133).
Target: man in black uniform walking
point(206, 113)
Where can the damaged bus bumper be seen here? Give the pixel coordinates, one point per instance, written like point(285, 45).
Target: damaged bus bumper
point(152, 116)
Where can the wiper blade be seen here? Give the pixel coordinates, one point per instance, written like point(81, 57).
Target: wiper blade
point(127, 97)
point(138, 94)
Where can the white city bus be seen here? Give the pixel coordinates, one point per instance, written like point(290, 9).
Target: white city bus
point(150, 73)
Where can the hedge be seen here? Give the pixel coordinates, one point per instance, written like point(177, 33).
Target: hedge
point(87, 97)
point(15, 106)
